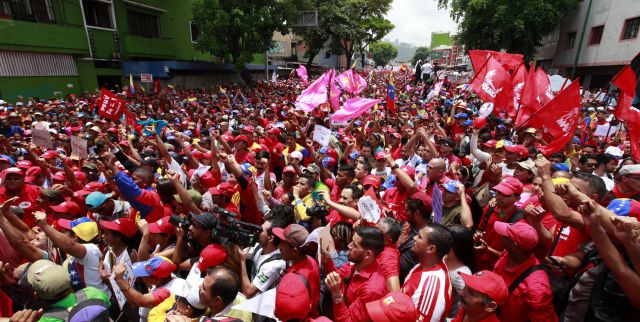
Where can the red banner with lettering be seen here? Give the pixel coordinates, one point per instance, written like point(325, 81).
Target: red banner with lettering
point(110, 105)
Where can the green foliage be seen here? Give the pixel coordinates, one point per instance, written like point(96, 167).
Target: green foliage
point(517, 26)
point(236, 29)
point(383, 52)
point(422, 53)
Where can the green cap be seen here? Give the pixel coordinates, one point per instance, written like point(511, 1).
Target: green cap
point(49, 280)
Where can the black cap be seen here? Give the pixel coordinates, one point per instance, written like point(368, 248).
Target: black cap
point(206, 219)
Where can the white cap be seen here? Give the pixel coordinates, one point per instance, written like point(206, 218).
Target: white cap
point(193, 297)
point(600, 109)
point(614, 150)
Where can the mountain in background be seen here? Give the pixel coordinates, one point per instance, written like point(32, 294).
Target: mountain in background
point(405, 51)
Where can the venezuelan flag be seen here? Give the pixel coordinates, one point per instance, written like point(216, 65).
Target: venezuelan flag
point(391, 96)
point(131, 86)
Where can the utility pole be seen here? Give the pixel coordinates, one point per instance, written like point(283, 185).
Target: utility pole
point(584, 31)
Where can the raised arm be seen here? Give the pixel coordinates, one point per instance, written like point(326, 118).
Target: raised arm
point(62, 241)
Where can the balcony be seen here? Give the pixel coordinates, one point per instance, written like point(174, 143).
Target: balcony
point(36, 36)
point(138, 46)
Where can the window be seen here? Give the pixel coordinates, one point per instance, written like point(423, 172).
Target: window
point(195, 32)
point(15, 63)
point(631, 27)
point(596, 35)
point(98, 13)
point(571, 40)
point(143, 24)
point(27, 10)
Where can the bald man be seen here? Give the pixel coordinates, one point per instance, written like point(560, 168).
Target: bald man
point(435, 173)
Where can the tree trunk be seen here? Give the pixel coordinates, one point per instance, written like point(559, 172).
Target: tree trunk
point(310, 61)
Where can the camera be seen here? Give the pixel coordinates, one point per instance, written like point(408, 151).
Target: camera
point(318, 211)
point(184, 222)
point(227, 228)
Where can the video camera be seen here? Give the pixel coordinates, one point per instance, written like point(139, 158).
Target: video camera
point(229, 229)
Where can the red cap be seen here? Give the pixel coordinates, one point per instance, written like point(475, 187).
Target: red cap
point(372, 180)
point(520, 233)
point(24, 165)
point(275, 131)
point(294, 234)
point(241, 138)
point(197, 154)
point(289, 169)
point(59, 176)
point(395, 306)
point(94, 186)
point(248, 129)
point(479, 122)
point(50, 154)
point(162, 226)
point(379, 155)
point(225, 189)
point(491, 143)
point(211, 256)
point(14, 170)
point(292, 298)
point(207, 180)
point(409, 170)
point(519, 149)
point(424, 197)
point(488, 283)
point(509, 186)
point(67, 207)
point(80, 176)
point(32, 173)
point(124, 225)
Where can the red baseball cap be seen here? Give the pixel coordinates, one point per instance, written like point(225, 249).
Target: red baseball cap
point(162, 226)
point(519, 149)
point(211, 256)
point(424, 198)
point(70, 207)
point(14, 170)
point(24, 165)
point(491, 143)
point(225, 189)
point(32, 173)
point(241, 138)
point(379, 155)
point(50, 154)
point(509, 186)
point(124, 225)
point(395, 306)
point(289, 169)
point(487, 283)
point(94, 186)
point(292, 298)
point(59, 176)
point(207, 180)
point(409, 170)
point(372, 180)
point(294, 234)
point(520, 233)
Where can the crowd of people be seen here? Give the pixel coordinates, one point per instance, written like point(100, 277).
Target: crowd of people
point(220, 205)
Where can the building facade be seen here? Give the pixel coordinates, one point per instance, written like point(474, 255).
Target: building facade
point(611, 40)
point(53, 48)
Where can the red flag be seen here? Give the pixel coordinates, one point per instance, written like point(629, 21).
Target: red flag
point(559, 118)
point(529, 103)
point(508, 61)
point(518, 80)
point(493, 84)
point(625, 80)
point(110, 106)
point(157, 87)
point(544, 86)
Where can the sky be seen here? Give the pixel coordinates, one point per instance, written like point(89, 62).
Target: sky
point(415, 20)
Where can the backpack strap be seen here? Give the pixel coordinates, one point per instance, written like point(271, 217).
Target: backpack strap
point(56, 313)
point(556, 240)
point(517, 216)
point(523, 276)
point(485, 220)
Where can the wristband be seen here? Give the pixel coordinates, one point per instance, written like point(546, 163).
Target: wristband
point(395, 166)
point(338, 300)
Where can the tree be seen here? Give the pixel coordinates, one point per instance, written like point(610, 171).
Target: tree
point(517, 26)
point(236, 29)
point(422, 53)
point(373, 30)
point(383, 52)
point(315, 38)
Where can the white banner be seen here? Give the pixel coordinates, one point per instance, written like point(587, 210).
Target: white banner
point(42, 138)
point(322, 135)
point(79, 147)
point(369, 209)
point(128, 276)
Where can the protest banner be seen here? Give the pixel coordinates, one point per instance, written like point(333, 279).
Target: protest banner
point(110, 105)
point(128, 276)
point(322, 135)
point(79, 147)
point(42, 138)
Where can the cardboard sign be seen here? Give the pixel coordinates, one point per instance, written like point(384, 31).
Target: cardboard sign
point(322, 135)
point(42, 137)
point(146, 78)
point(369, 209)
point(79, 147)
point(110, 105)
point(128, 276)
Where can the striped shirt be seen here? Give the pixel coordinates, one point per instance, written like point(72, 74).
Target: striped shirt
point(430, 290)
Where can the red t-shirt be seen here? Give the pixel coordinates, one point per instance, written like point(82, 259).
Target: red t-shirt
point(27, 201)
point(486, 260)
point(491, 318)
point(389, 261)
point(395, 199)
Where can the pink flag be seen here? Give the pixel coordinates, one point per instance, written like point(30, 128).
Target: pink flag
point(352, 82)
point(302, 73)
point(334, 93)
point(353, 108)
point(315, 94)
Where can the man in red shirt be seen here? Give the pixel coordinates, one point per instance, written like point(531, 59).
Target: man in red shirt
point(289, 179)
point(530, 299)
point(428, 283)
point(389, 259)
point(291, 240)
point(360, 281)
point(13, 186)
point(241, 154)
point(488, 243)
point(480, 297)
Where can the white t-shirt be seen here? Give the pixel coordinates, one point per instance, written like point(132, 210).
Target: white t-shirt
point(413, 161)
point(91, 268)
point(384, 173)
point(269, 272)
point(260, 181)
point(426, 69)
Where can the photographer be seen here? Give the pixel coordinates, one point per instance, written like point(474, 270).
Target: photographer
point(262, 266)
